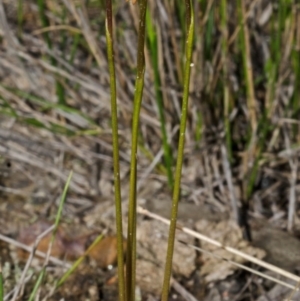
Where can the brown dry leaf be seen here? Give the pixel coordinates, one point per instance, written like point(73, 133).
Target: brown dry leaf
point(29, 234)
point(228, 234)
point(105, 251)
point(64, 246)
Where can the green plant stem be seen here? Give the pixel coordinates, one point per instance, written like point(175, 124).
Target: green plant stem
point(37, 284)
point(114, 118)
point(152, 37)
point(176, 191)
point(139, 85)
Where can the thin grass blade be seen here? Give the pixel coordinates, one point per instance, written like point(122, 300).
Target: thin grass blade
point(78, 261)
point(57, 219)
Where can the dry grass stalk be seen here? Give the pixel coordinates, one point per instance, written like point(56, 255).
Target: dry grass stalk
point(229, 249)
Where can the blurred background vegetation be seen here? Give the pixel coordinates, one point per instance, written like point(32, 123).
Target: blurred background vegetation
point(243, 131)
point(244, 109)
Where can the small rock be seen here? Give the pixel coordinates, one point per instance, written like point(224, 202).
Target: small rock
point(149, 276)
point(152, 238)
